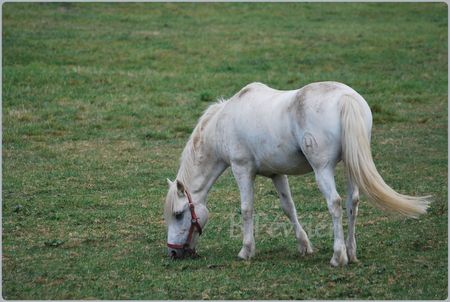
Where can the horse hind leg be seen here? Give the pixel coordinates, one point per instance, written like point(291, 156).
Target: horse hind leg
point(325, 180)
point(282, 186)
point(322, 152)
point(352, 212)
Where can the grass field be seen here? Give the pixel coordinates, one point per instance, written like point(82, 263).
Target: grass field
point(99, 100)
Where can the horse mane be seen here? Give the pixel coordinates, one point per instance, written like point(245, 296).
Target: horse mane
point(191, 152)
point(192, 149)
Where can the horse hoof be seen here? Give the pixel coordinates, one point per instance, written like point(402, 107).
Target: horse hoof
point(243, 257)
point(336, 263)
point(351, 255)
point(244, 254)
point(339, 259)
point(353, 259)
point(305, 250)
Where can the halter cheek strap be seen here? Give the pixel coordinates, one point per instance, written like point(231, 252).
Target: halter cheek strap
point(194, 225)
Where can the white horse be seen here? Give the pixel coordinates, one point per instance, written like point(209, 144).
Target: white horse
point(263, 131)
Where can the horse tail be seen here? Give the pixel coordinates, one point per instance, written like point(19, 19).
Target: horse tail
point(360, 167)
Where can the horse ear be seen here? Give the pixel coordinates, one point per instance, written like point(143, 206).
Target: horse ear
point(180, 188)
point(170, 183)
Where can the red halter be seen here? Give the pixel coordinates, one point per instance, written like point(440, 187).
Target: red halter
point(194, 225)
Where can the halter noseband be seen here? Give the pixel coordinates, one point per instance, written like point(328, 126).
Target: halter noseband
point(194, 225)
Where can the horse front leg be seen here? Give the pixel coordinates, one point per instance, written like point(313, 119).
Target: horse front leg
point(287, 204)
point(245, 178)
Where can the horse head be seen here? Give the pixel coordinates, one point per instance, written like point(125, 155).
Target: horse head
point(185, 220)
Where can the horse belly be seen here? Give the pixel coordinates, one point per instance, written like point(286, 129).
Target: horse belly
point(282, 160)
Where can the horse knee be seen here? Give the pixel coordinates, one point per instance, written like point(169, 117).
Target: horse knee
point(334, 207)
point(246, 212)
point(287, 207)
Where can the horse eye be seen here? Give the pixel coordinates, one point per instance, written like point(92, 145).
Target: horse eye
point(178, 216)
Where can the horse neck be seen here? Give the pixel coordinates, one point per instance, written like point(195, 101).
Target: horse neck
point(199, 170)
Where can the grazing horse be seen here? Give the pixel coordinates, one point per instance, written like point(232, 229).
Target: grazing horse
point(274, 133)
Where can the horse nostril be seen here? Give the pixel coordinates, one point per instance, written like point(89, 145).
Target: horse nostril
point(173, 254)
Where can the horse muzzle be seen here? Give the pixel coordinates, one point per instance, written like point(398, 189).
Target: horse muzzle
point(181, 252)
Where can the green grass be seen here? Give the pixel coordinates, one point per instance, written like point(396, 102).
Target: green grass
point(99, 100)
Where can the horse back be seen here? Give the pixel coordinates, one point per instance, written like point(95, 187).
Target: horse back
point(272, 129)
